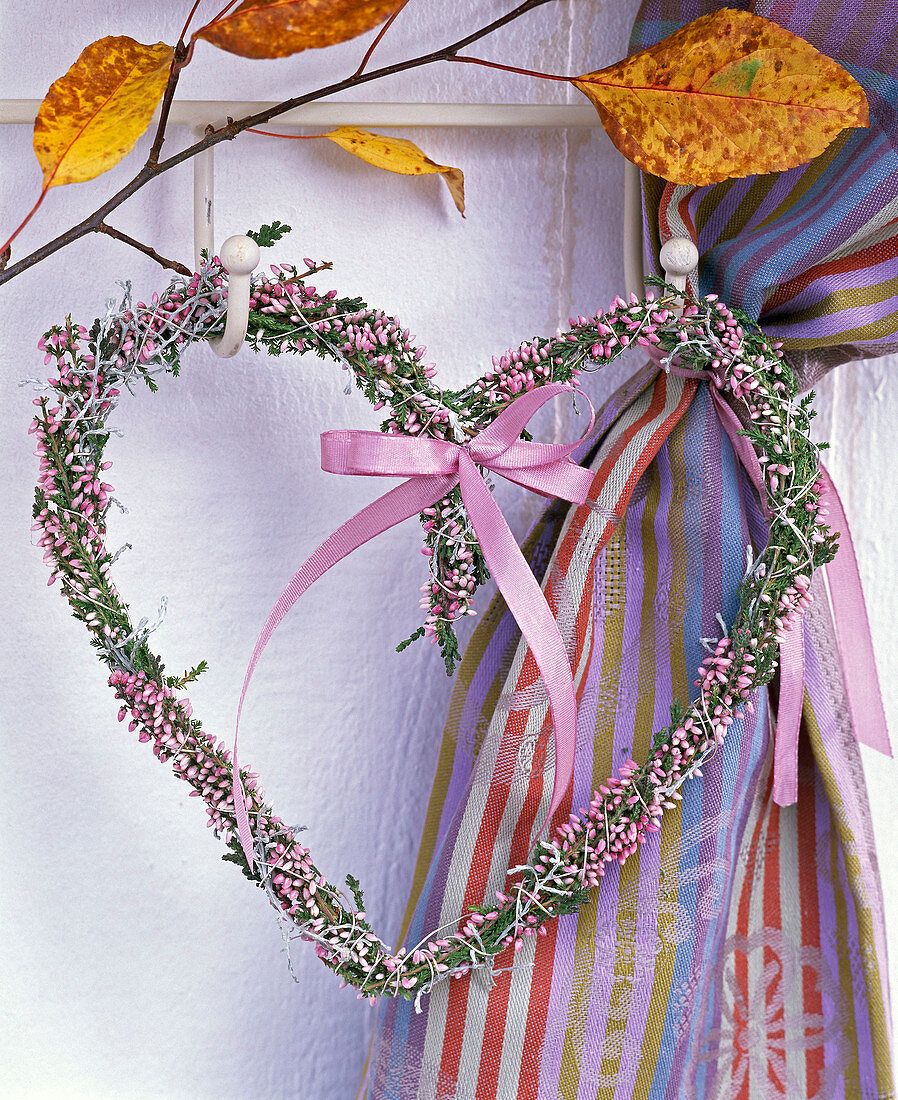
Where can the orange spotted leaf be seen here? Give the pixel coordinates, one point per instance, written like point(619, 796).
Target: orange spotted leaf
point(398, 155)
point(92, 116)
point(728, 95)
point(278, 28)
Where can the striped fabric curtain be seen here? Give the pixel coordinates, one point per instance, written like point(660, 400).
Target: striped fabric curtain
point(742, 955)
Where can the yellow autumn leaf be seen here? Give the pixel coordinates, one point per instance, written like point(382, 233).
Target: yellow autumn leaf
point(398, 155)
point(278, 28)
point(92, 116)
point(728, 95)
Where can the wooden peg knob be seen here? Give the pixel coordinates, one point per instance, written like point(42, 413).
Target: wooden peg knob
point(240, 255)
point(679, 257)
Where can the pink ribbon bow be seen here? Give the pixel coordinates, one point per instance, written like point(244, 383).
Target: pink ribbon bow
point(434, 467)
point(849, 617)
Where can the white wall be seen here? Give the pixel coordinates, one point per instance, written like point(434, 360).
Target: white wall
point(135, 963)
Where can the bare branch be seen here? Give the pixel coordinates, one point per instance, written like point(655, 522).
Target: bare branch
point(92, 222)
point(172, 265)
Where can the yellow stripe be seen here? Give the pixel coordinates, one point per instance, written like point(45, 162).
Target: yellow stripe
point(670, 835)
point(881, 329)
point(602, 766)
point(876, 1006)
point(840, 301)
point(757, 193)
point(467, 669)
point(625, 956)
point(709, 203)
point(812, 174)
point(850, 1065)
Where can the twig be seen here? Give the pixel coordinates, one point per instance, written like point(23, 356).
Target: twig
point(91, 223)
point(180, 59)
point(172, 265)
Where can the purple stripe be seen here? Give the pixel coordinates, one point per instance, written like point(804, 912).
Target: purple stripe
point(852, 164)
point(624, 724)
point(566, 936)
point(785, 184)
point(842, 28)
point(650, 854)
point(721, 213)
point(867, 204)
point(857, 278)
point(797, 21)
point(832, 327)
point(788, 248)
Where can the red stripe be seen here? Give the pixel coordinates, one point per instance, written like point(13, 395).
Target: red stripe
point(497, 1009)
point(540, 993)
point(740, 961)
point(810, 908)
point(497, 798)
point(537, 1014)
point(773, 918)
point(684, 216)
point(855, 261)
point(686, 219)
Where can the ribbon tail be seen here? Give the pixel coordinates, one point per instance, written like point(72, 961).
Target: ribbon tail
point(527, 603)
point(406, 500)
point(557, 479)
point(788, 716)
point(732, 425)
point(853, 631)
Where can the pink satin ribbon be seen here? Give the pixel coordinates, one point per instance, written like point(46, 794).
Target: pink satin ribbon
point(853, 630)
point(849, 616)
point(858, 663)
point(434, 468)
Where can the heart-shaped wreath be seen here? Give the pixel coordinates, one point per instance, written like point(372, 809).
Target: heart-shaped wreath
point(134, 343)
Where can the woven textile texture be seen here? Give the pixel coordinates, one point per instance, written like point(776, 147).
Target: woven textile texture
point(741, 953)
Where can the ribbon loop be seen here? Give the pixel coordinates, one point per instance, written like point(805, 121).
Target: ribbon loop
point(373, 454)
point(849, 613)
point(434, 467)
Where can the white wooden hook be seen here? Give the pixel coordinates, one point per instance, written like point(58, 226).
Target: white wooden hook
point(239, 257)
point(679, 258)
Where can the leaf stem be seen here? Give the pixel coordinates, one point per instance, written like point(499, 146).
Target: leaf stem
point(512, 69)
point(172, 265)
point(91, 223)
point(292, 137)
point(383, 30)
point(24, 222)
point(216, 18)
point(186, 26)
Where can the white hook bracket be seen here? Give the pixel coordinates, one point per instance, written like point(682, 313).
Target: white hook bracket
point(203, 200)
point(679, 258)
point(239, 257)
